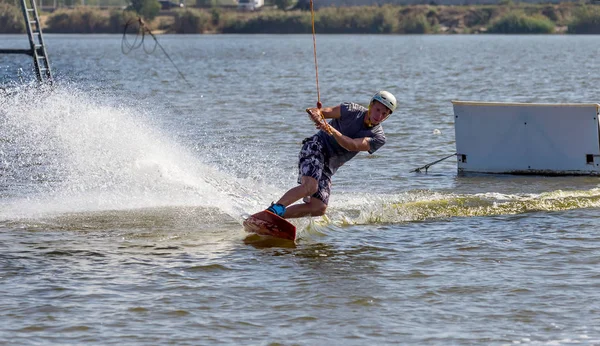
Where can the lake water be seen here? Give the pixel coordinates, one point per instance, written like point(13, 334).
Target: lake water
point(122, 193)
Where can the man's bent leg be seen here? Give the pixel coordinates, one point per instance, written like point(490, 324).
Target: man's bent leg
point(315, 207)
point(307, 187)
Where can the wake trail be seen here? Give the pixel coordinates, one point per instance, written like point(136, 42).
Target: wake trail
point(416, 206)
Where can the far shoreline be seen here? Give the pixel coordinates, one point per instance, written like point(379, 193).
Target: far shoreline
point(504, 18)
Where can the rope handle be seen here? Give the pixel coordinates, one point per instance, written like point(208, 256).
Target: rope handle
point(321, 122)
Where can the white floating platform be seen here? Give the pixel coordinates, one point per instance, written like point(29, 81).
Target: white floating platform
point(527, 138)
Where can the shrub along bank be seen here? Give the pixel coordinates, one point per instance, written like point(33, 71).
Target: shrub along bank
point(11, 19)
point(508, 18)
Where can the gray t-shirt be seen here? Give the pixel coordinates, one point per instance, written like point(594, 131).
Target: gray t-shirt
point(350, 124)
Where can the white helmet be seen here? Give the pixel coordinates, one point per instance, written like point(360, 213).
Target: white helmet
point(386, 98)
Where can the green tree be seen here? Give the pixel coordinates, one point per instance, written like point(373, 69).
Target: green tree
point(146, 8)
point(11, 19)
point(517, 22)
point(415, 24)
point(215, 14)
point(118, 19)
point(192, 21)
point(586, 20)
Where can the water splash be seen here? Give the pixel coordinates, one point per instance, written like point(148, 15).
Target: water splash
point(64, 150)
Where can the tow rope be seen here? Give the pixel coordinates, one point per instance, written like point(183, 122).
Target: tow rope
point(314, 37)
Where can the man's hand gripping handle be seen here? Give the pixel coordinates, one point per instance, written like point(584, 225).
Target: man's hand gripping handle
point(317, 117)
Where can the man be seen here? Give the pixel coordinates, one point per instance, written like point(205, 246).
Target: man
point(354, 128)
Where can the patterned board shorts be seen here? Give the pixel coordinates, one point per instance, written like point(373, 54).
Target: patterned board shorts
point(312, 164)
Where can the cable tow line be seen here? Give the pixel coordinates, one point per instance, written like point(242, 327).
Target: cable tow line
point(127, 47)
point(426, 167)
point(314, 37)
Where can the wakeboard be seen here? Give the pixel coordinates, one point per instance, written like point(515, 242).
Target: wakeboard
point(269, 224)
